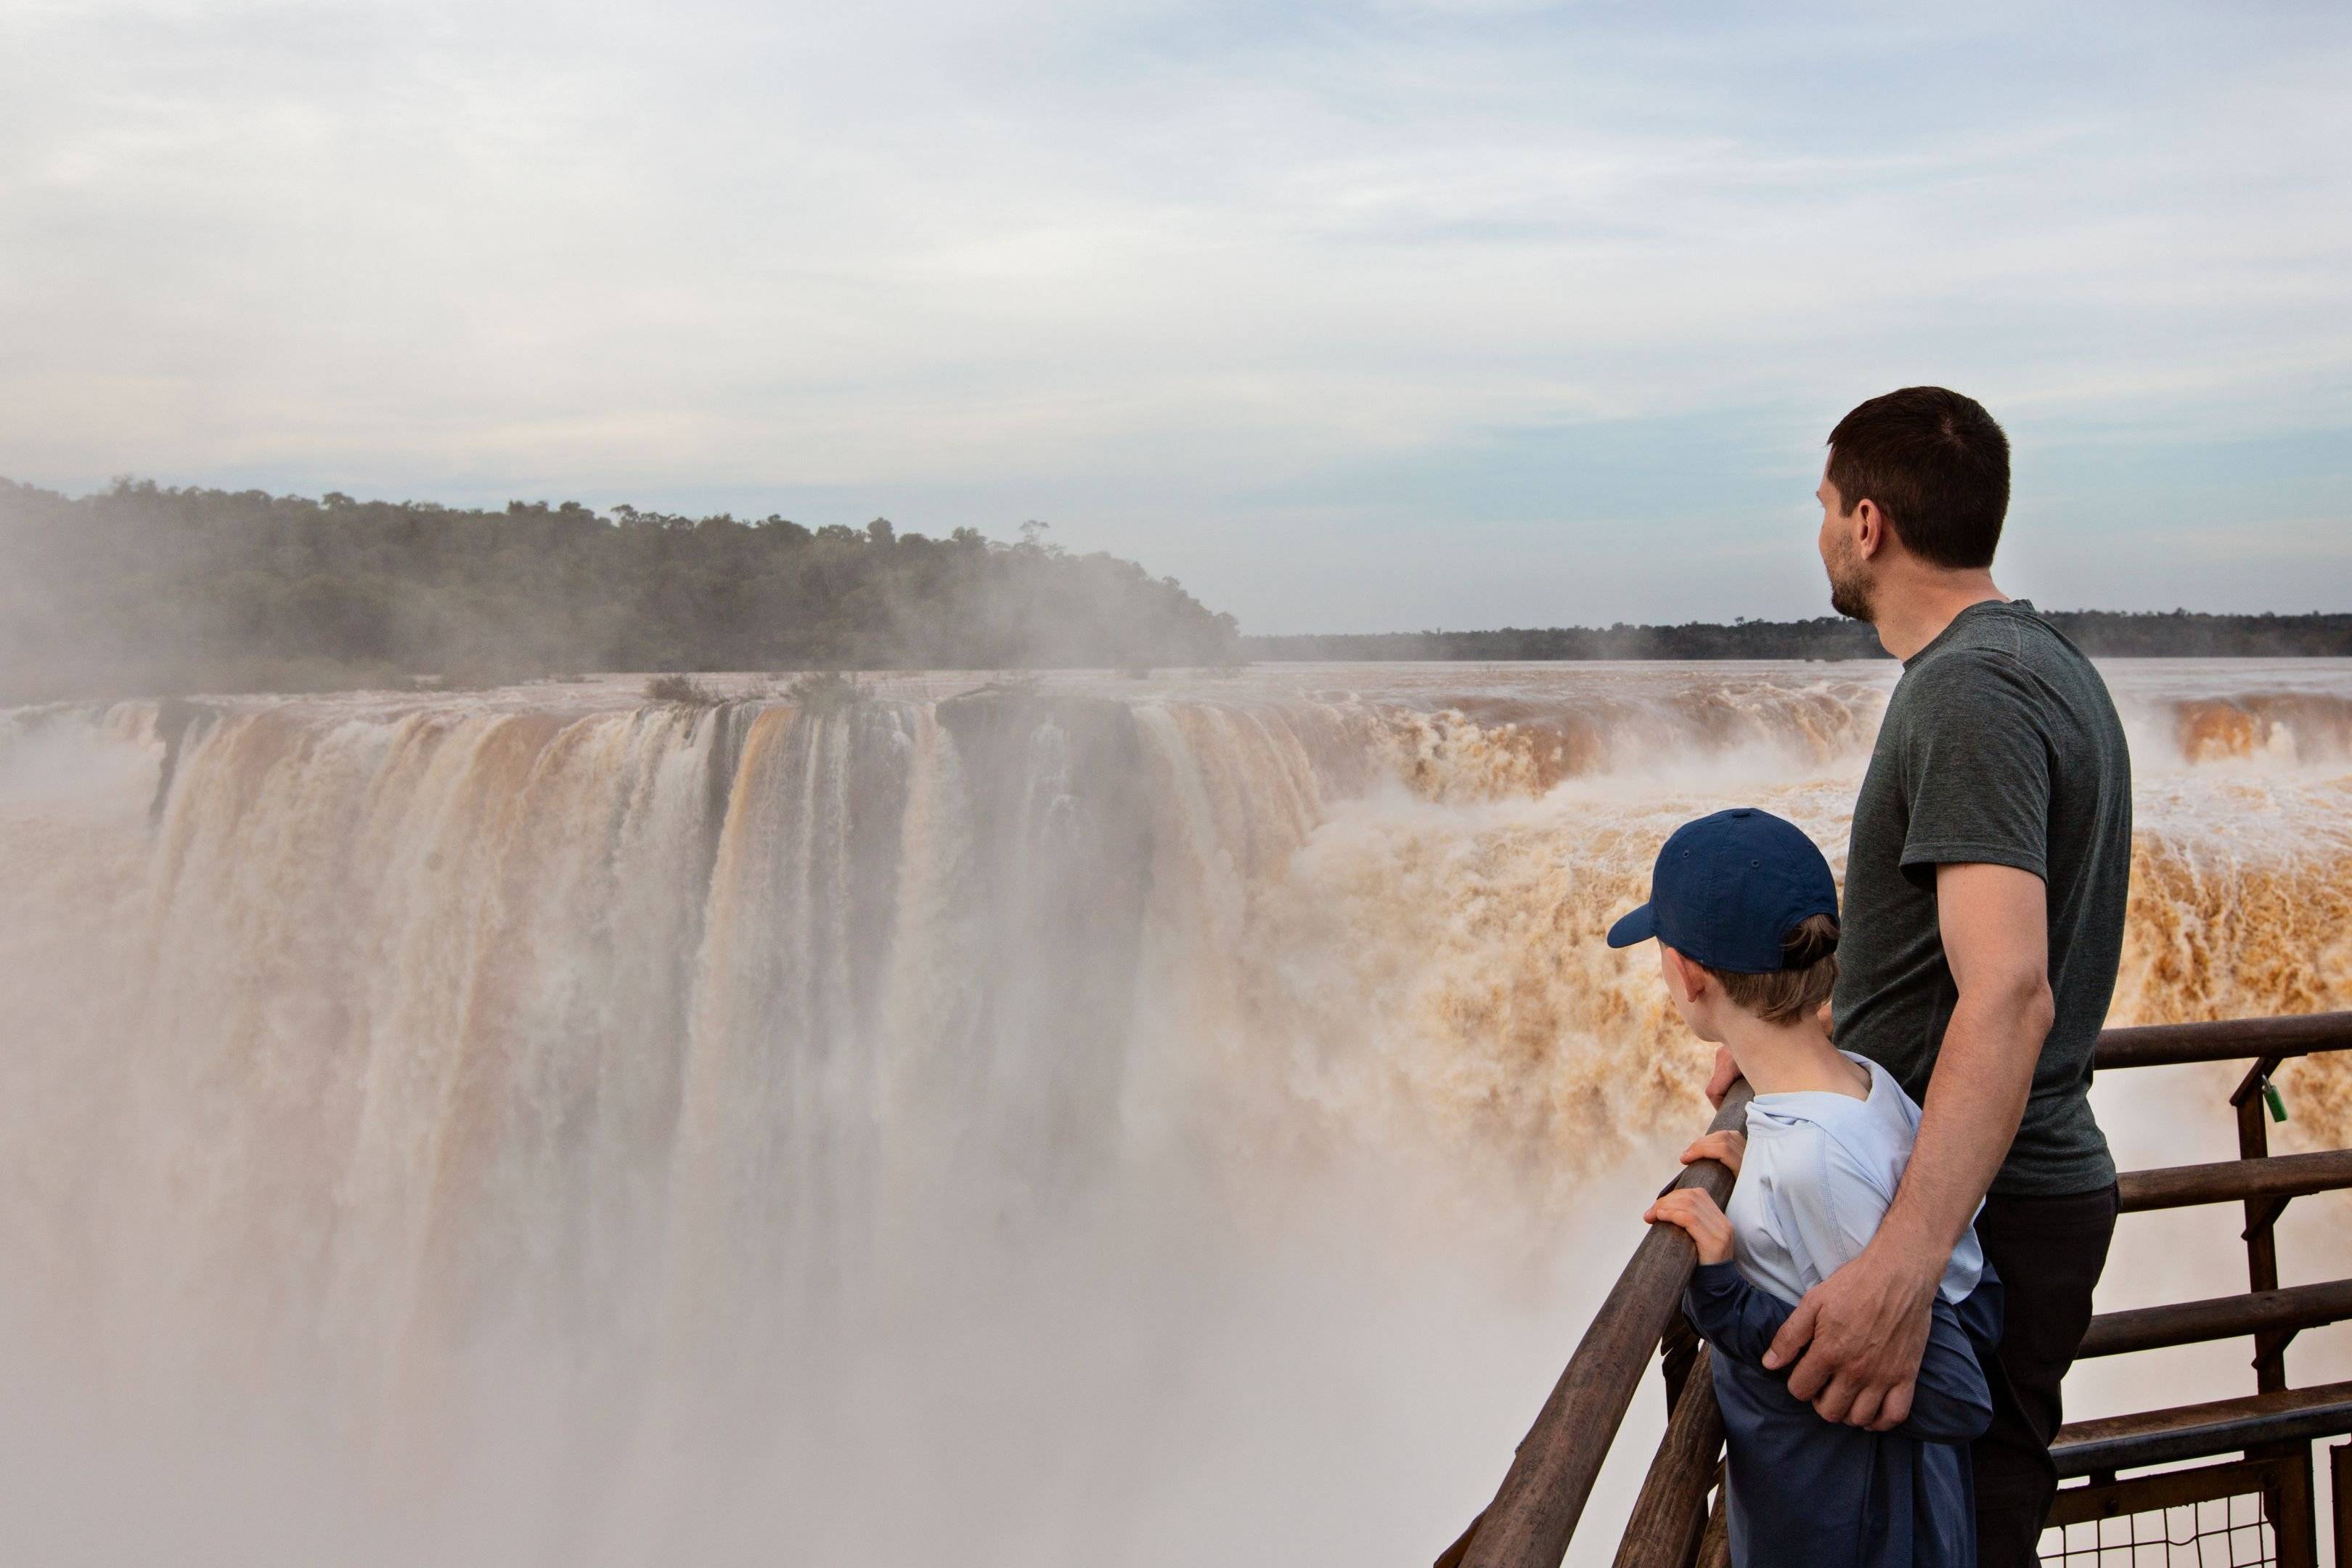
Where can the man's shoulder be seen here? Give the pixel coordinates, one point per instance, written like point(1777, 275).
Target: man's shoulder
point(1959, 684)
point(2005, 665)
point(1979, 638)
point(1994, 656)
point(1993, 636)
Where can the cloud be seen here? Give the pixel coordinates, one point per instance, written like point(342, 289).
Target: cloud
point(1230, 288)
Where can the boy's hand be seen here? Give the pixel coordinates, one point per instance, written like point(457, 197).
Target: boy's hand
point(1696, 1213)
point(1726, 1146)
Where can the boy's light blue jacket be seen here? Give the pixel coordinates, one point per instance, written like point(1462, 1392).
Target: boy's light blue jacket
point(1808, 1493)
point(1820, 1172)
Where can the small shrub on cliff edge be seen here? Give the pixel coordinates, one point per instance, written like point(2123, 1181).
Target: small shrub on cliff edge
point(822, 690)
point(682, 690)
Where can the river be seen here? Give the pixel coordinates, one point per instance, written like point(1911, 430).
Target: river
point(1075, 1119)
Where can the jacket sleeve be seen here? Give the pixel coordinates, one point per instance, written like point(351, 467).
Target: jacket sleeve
point(1731, 1315)
point(1951, 1402)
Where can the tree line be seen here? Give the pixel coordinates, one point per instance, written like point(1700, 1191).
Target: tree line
point(141, 589)
point(2102, 634)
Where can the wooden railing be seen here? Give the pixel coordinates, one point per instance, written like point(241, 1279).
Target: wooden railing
point(1535, 1511)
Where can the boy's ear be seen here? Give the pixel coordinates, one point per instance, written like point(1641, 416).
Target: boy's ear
point(1689, 978)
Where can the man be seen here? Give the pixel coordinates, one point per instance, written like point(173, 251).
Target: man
point(1984, 916)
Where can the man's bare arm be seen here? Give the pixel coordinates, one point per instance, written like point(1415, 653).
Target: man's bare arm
point(1862, 1330)
point(1995, 923)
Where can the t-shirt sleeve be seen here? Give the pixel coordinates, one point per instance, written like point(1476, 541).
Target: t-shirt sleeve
point(1976, 765)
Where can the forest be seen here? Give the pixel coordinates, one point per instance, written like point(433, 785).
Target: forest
point(2102, 634)
point(139, 590)
point(142, 590)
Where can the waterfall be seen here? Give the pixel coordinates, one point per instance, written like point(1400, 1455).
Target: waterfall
point(553, 1127)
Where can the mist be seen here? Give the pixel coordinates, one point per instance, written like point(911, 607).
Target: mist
point(1092, 1120)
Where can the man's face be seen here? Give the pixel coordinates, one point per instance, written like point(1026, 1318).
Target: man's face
point(1850, 581)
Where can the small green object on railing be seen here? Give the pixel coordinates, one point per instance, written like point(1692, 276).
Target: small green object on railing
point(2270, 1098)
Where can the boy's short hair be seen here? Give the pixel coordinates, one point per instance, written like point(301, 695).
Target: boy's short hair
point(1807, 972)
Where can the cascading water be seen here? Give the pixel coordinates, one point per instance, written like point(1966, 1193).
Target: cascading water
point(1080, 1120)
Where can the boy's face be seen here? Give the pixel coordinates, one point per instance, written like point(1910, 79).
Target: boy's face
point(1675, 969)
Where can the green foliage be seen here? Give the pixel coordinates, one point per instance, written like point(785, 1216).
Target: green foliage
point(682, 690)
point(2102, 634)
point(141, 589)
point(825, 690)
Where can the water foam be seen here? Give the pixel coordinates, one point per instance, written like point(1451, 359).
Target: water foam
point(553, 1127)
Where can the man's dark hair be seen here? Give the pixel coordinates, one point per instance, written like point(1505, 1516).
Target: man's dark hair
point(1936, 464)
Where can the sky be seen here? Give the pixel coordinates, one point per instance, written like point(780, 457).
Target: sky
point(1353, 316)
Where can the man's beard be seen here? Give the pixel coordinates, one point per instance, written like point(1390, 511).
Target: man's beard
point(1849, 591)
point(1850, 596)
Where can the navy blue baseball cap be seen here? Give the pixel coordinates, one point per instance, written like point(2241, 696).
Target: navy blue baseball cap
point(1728, 888)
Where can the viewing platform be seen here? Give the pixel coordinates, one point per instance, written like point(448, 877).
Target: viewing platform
point(2243, 1467)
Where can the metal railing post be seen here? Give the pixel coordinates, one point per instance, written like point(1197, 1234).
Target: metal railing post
point(2339, 1487)
point(2295, 1522)
point(1670, 1513)
point(2262, 1215)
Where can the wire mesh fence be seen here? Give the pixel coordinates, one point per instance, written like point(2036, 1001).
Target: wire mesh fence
point(2213, 1532)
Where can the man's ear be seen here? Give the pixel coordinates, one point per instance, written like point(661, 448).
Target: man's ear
point(1871, 534)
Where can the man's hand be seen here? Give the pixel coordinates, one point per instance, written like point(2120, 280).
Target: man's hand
point(1726, 1146)
point(1726, 1074)
point(1696, 1213)
point(1863, 1330)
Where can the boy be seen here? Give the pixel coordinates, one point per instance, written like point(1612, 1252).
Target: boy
point(1744, 910)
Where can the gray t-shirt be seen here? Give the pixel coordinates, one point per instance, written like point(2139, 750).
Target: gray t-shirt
point(1999, 746)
